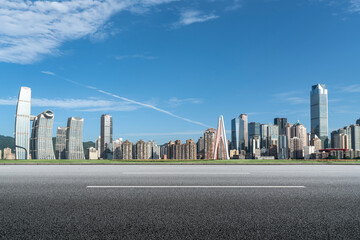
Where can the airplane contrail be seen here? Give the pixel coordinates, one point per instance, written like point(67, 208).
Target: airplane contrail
point(126, 99)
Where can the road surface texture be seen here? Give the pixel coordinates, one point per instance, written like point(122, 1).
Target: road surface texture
point(180, 202)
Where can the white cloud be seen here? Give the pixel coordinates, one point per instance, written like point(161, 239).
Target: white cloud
point(291, 98)
point(31, 29)
point(355, 6)
point(48, 73)
point(175, 102)
point(188, 17)
point(355, 88)
point(88, 105)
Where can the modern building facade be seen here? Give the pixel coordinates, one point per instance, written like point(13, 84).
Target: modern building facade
point(234, 134)
point(221, 150)
point(106, 134)
point(254, 130)
point(264, 137)
point(319, 113)
point(74, 138)
point(153, 150)
point(281, 123)
point(60, 143)
point(283, 147)
point(22, 124)
point(41, 144)
point(243, 133)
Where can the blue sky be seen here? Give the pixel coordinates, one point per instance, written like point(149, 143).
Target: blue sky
point(175, 66)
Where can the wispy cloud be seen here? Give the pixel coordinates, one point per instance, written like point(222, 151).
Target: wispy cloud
point(354, 6)
point(175, 102)
point(355, 88)
point(236, 4)
point(32, 29)
point(291, 98)
point(130, 101)
point(88, 105)
point(135, 56)
point(48, 73)
point(188, 17)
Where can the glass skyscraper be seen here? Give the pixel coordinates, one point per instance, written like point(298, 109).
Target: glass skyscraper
point(74, 136)
point(319, 113)
point(106, 133)
point(281, 122)
point(254, 130)
point(41, 143)
point(243, 132)
point(22, 124)
point(234, 134)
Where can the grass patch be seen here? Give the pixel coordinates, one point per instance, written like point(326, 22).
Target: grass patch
point(161, 161)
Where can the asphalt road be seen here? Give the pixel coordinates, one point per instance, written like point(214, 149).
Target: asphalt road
point(180, 202)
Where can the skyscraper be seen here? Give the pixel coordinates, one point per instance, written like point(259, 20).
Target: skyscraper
point(358, 122)
point(74, 136)
point(234, 134)
point(319, 113)
point(41, 144)
point(22, 124)
point(254, 130)
point(283, 147)
point(243, 133)
point(281, 122)
point(106, 141)
point(264, 128)
point(355, 137)
point(60, 143)
point(221, 150)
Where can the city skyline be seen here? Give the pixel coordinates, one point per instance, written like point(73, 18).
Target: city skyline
point(171, 55)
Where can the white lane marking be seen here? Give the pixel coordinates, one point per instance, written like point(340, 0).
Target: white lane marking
point(195, 186)
point(182, 173)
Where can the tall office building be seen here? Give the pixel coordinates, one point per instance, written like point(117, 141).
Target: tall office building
point(254, 130)
point(281, 122)
point(106, 141)
point(22, 124)
point(41, 144)
point(221, 150)
point(358, 122)
point(234, 134)
point(355, 137)
point(60, 143)
point(273, 134)
point(74, 138)
point(264, 138)
point(319, 113)
point(243, 133)
point(283, 147)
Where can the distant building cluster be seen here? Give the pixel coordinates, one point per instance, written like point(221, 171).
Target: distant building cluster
point(251, 140)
